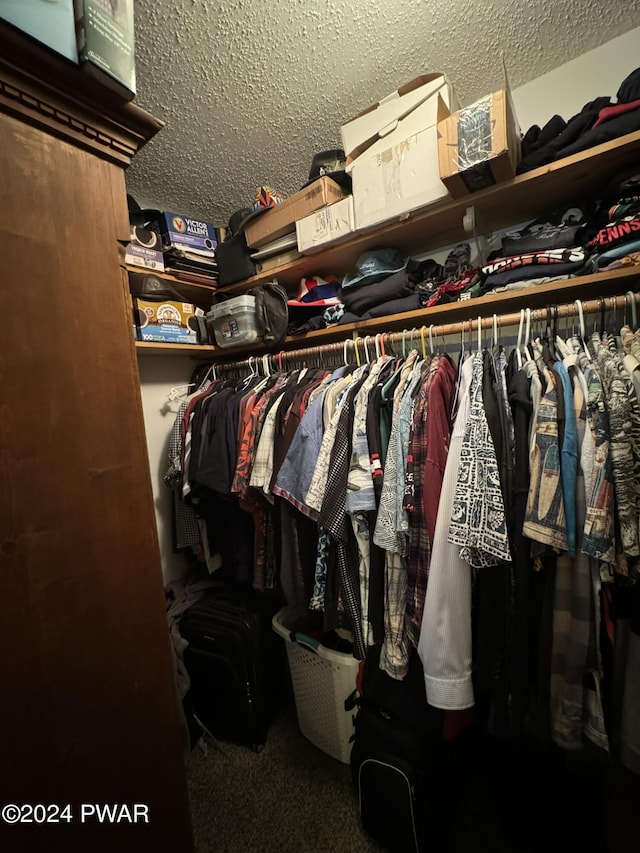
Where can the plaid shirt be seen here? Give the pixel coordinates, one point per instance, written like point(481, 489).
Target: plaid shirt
point(419, 544)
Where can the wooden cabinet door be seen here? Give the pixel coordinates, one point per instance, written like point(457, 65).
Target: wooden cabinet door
point(88, 699)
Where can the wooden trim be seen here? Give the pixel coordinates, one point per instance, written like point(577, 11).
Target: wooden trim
point(193, 350)
point(43, 89)
point(601, 284)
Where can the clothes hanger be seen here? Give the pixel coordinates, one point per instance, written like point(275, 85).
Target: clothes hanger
point(634, 310)
point(366, 348)
point(614, 311)
point(210, 374)
point(355, 349)
point(601, 309)
point(463, 359)
point(479, 334)
point(527, 354)
point(179, 391)
point(423, 344)
point(583, 334)
point(376, 341)
point(393, 379)
point(519, 340)
point(443, 351)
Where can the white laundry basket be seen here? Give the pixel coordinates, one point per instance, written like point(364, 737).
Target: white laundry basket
point(322, 680)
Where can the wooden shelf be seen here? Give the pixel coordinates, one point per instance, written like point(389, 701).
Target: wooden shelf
point(198, 293)
point(525, 197)
point(615, 282)
point(520, 199)
point(193, 350)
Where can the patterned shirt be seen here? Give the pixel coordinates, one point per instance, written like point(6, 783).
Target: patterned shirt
point(478, 523)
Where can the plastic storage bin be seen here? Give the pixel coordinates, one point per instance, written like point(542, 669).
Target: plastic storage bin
point(234, 321)
point(322, 680)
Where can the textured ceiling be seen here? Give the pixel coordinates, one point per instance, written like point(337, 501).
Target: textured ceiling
point(251, 89)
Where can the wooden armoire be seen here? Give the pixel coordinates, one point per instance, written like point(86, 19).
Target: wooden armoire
point(88, 702)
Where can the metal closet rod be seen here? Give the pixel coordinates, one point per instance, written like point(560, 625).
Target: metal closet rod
point(424, 335)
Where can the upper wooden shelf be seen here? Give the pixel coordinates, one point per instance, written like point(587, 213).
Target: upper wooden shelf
point(523, 198)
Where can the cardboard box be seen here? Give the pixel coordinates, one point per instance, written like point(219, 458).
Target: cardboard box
point(53, 24)
point(144, 249)
point(193, 236)
point(480, 145)
point(399, 173)
point(106, 49)
point(275, 261)
point(282, 219)
point(382, 118)
point(139, 256)
point(166, 321)
point(326, 226)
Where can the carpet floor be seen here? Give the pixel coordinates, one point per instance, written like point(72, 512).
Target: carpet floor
point(289, 798)
point(293, 798)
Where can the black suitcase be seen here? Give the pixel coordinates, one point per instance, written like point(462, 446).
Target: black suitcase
point(393, 758)
point(235, 664)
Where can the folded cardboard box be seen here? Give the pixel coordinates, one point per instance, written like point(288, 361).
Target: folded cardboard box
point(281, 220)
point(380, 119)
point(399, 173)
point(326, 226)
point(480, 145)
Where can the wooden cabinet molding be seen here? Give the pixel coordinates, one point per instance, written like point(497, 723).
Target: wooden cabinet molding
point(43, 90)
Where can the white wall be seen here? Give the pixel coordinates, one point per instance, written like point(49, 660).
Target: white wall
point(158, 374)
point(566, 89)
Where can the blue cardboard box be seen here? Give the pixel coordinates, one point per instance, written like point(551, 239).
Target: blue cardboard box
point(187, 234)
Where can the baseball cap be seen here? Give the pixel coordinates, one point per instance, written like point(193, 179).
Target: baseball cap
point(330, 164)
point(375, 265)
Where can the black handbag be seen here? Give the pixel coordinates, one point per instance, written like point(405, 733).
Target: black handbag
point(234, 261)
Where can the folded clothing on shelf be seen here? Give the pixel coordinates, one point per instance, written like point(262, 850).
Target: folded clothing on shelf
point(559, 230)
point(597, 122)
